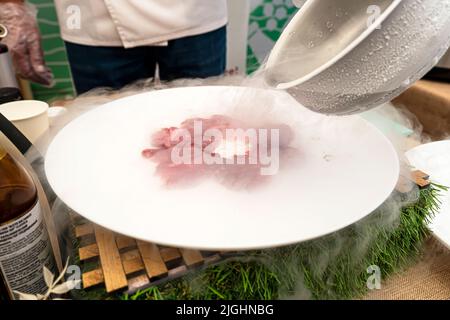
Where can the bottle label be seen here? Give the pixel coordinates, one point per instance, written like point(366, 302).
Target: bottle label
point(24, 250)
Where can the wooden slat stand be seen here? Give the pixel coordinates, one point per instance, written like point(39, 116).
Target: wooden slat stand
point(121, 263)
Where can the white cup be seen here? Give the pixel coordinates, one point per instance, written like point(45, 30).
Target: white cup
point(29, 116)
point(54, 113)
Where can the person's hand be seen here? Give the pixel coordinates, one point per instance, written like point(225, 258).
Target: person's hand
point(24, 41)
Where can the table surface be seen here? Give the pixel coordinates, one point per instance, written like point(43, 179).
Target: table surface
point(428, 279)
point(429, 101)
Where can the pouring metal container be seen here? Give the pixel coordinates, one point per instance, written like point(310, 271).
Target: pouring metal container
point(348, 56)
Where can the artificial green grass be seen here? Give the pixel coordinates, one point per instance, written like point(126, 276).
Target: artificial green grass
point(332, 267)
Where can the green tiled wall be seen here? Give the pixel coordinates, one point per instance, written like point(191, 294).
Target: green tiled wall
point(55, 54)
point(267, 20)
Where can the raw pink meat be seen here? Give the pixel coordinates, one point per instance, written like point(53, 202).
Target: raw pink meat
point(234, 175)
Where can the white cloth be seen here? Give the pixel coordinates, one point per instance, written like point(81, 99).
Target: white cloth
point(131, 23)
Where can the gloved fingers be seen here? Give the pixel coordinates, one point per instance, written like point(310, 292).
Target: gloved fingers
point(24, 68)
point(23, 40)
point(42, 74)
point(22, 64)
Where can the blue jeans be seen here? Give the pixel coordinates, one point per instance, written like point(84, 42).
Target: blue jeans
point(198, 56)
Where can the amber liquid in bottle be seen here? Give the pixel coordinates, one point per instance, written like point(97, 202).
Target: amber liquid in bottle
point(19, 201)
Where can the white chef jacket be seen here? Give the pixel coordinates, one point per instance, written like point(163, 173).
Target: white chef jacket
point(131, 23)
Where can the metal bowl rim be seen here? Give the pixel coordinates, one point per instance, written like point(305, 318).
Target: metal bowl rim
point(272, 60)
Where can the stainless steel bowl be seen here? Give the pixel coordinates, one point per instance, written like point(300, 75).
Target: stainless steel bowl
point(347, 56)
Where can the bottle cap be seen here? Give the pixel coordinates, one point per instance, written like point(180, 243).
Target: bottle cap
point(9, 94)
point(3, 48)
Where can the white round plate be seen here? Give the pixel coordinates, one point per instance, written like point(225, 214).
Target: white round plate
point(347, 169)
point(434, 159)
